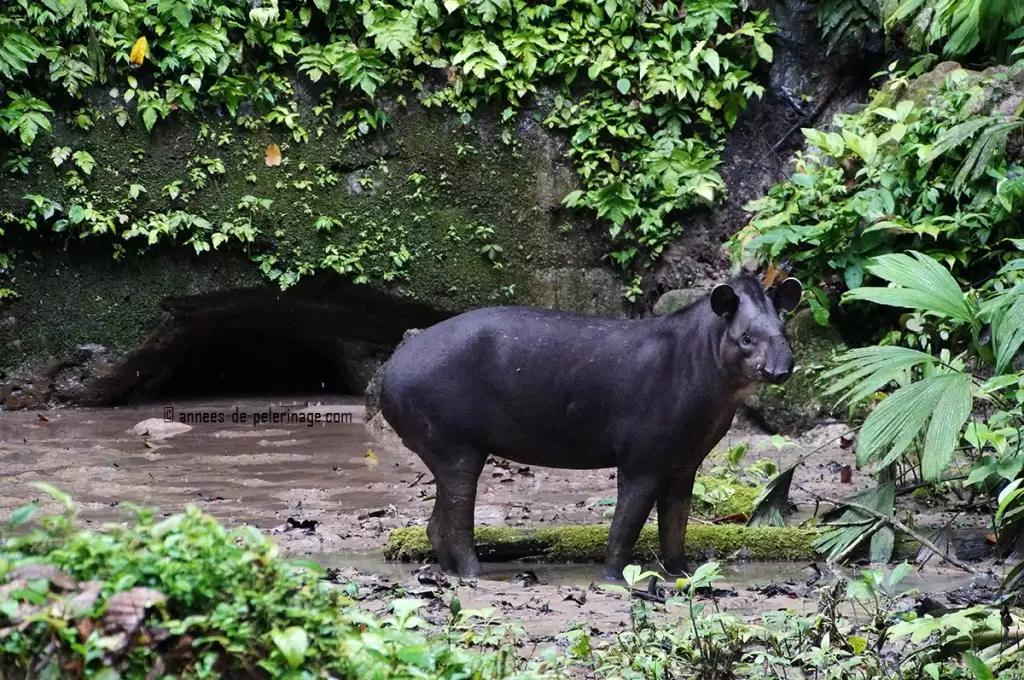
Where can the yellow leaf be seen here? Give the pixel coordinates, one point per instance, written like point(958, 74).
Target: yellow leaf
point(273, 155)
point(139, 50)
point(371, 455)
point(770, 276)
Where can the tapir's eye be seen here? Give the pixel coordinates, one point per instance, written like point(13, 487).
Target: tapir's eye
point(746, 340)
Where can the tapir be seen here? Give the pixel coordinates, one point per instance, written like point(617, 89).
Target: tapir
point(649, 397)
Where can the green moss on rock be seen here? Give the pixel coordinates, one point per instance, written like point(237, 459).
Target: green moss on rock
point(585, 544)
point(723, 497)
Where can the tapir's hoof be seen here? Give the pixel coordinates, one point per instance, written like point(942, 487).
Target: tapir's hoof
point(612, 574)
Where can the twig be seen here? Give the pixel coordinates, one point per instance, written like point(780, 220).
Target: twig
point(860, 539)
point(807, 119)
point(896, 524)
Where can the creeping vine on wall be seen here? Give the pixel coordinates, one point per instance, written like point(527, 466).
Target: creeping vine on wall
point(645, 93)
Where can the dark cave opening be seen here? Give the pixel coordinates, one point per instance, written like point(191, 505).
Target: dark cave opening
point(246, 362)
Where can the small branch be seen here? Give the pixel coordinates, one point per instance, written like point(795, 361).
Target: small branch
point(807, 119)
point(860, 539)
point(896, 524)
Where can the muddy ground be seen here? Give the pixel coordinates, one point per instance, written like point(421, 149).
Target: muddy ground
point(354, 488)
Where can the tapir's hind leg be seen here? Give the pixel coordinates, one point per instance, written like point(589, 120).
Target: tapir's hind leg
point(435, 526)
point(636, 498)
point(457, 480)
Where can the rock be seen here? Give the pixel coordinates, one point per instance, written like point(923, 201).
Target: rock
point(158, 428)
point(674, 300)
point(578, 289)
point(797, 406)
point(73, 381)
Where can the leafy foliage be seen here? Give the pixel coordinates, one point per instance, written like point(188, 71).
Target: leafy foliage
point(664, 84)
point(961, 26)
point(185, 597)
point(899, 175)
point(926, 419)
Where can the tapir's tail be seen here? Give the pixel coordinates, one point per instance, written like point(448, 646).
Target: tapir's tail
point(373, 388)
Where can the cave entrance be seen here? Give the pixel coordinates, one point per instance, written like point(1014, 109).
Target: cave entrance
point(319, 339)
point(238, 362)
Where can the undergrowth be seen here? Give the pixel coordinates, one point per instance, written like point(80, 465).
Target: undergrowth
point(928, 171)
point(184, 597)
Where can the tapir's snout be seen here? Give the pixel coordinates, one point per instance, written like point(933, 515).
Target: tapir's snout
point(779, 366)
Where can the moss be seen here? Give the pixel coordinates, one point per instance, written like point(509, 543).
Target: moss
point(434, 216)
point(739, 497)
point(583, 544)
point(81, 297)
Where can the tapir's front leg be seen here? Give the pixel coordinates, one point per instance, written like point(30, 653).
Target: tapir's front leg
point(673, 512)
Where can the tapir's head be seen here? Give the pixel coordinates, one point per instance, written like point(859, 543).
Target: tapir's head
point(754, 346)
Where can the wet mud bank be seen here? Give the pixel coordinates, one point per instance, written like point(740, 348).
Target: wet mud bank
point(327, 487)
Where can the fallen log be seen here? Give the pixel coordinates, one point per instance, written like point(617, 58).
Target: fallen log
point(586, 544)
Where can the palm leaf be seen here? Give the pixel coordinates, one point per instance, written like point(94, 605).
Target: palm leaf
point(941, 402)
point(955, 136)
point(926, 285)
point(1008, 332)
point(847, 525)
point(869, 369)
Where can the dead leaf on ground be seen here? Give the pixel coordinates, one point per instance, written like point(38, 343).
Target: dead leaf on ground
point(273, 155)
point(126, 610)
point(139, 50)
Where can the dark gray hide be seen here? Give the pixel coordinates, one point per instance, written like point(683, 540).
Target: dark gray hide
point(543, 387)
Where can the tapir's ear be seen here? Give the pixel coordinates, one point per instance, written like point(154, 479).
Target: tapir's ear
point(723, 300)
point(787, 295)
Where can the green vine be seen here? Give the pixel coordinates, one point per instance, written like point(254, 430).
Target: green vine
point(646, 95)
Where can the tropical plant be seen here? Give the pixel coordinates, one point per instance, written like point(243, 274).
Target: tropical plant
point(909, 172)
point(961, 26)
point(926, 420)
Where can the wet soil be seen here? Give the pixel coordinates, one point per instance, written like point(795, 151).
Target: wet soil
point(327, 488)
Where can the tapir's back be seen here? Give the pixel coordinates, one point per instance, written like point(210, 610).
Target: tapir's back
point(539, 386)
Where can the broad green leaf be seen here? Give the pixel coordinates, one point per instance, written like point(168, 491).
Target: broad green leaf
point(1008, 333)
point(978, 667)
point(869, 369)
point(763, 49)
point(292, 643)
point(892, 427)
point(951, 412)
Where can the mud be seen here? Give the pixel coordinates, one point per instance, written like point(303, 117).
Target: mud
point(329, 490)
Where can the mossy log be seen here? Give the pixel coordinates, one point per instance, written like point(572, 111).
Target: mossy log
point(585, 544)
